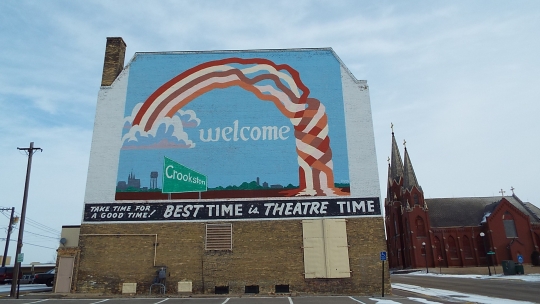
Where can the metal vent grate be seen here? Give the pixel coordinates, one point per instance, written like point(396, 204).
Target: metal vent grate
point(218, 237)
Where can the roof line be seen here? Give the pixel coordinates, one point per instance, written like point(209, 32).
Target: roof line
point(526, 207)
point(239, 51)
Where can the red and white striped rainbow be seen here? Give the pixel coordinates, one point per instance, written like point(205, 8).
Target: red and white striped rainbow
point(289, 95)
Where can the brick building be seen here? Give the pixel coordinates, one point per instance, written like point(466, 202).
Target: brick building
point(230, 172)
point(447, 232)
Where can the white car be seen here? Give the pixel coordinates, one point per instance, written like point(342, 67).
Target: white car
point(27, 279)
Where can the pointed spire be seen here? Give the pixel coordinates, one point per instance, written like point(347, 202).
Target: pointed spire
point(408, 175)
point(396, 165)
point(388, 189)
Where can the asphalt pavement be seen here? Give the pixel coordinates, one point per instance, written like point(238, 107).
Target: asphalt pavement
point(492, 287)
point(230, 300)
point(498, 288)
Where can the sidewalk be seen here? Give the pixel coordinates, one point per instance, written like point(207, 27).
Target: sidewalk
point(471, 270)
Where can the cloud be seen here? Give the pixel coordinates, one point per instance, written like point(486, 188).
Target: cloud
point(167, 133)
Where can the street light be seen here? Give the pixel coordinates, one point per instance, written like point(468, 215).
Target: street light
point(425, 255)
point(485, 250)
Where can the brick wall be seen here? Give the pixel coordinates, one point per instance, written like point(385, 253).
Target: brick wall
point(114, 60)
point(265, 253)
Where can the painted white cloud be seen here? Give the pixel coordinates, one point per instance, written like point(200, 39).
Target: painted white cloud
point(167, 132)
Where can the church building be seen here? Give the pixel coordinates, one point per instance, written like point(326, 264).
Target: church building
point(454, 232)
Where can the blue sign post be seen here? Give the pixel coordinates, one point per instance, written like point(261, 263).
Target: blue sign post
point(383, 258)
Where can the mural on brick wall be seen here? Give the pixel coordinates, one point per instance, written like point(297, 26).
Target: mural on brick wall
point(254, 124)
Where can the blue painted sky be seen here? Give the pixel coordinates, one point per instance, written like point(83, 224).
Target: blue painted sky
point(234, 162)
point(458, 79)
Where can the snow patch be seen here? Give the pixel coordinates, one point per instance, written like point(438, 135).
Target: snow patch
point(454, 296)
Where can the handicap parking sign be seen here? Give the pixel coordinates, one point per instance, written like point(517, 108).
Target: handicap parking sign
point(520, 258)
point(383, 255)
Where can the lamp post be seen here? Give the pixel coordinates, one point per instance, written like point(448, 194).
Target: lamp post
point(485, 250)
point(425, 255)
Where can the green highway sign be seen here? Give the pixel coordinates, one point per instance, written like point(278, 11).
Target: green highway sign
point(178, 178)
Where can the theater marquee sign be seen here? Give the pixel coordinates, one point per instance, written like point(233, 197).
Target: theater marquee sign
point(232, 210)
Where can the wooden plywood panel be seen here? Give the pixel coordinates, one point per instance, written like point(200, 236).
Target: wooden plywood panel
point(326, 252)
point(314, 256)
point(336, 248)
point(312, 228)
point(337, 258)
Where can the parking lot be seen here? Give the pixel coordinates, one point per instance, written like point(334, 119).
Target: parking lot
point(230, 300)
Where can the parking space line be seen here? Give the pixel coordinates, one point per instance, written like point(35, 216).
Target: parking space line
point(290, 300)
point(356, 300)
point(38, 301)
point(226, 301)
point(100, 301)
point(162, 301)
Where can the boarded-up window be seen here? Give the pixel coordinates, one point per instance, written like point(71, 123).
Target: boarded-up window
point(510, 228)
point(326, 252)
point(218, 237)
point(509, 225)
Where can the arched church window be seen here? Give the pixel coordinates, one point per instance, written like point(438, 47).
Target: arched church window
point(408, 228)
point(452, 247)
point(438, 248)
point(420, 227)
point(467, 249)
point(509, 225)
point(416, 200)
point(395, 225)
point(480, 246)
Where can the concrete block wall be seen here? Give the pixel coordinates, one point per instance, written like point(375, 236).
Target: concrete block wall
point(265, 253)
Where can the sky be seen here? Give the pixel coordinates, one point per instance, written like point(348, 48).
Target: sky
point(458, 80)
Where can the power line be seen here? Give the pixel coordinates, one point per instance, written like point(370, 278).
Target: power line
point(34, 232)
point(34, 245)
point(37, 224)
point(41, 226)
point(39, 246)
point(50, 237)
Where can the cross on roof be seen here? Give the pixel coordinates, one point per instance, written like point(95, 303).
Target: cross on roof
point(392, 127)
point(502, 192)
point(512, 188)
point(404, 143)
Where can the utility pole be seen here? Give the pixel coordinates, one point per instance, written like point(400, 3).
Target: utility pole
point(10, 228)
point(31, 150)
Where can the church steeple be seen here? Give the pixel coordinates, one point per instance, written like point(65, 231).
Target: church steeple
point(409, 177)
point(396, 165)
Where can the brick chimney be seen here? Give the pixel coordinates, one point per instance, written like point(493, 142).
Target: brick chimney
point(115, 52)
